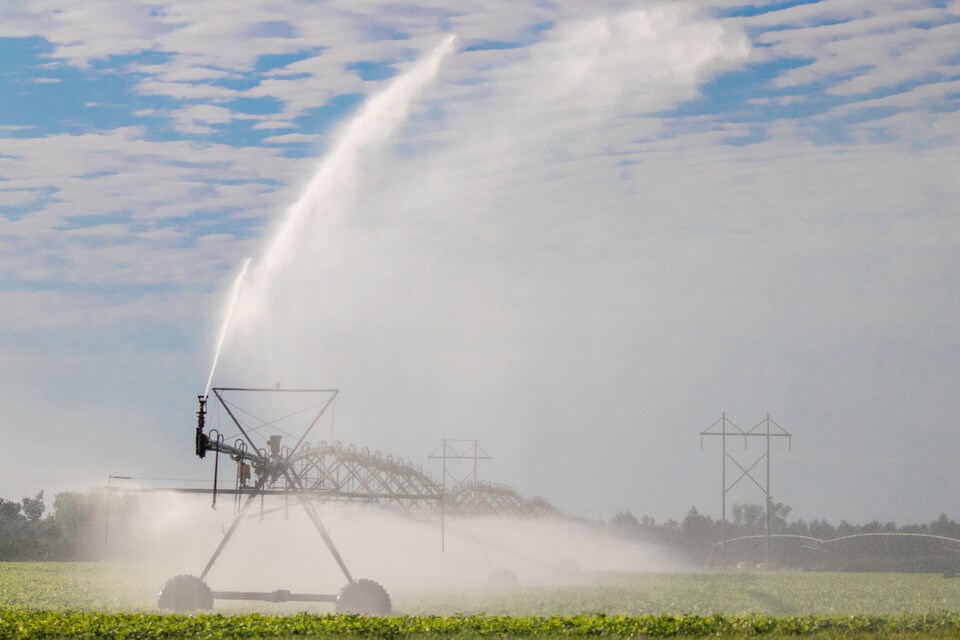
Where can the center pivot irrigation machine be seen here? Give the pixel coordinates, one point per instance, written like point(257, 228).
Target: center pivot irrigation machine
point(269, 470)
point(321, 471)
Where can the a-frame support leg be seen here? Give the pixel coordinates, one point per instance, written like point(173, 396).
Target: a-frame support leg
point(233, 527)
point(317, 523)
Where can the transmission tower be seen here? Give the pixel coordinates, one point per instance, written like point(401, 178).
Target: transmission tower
point(760, 430)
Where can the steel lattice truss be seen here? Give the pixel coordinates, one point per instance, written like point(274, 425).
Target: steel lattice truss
point(336, 472)
point(351, 474)
point(487, 498)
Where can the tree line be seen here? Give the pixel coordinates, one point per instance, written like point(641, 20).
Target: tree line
point(695, 538)
point(76, 526)
point(74, 529)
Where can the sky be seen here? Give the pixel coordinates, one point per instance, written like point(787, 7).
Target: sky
point(579, 233)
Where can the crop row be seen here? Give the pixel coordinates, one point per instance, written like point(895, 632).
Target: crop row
point(25, 623)
point(133, 588)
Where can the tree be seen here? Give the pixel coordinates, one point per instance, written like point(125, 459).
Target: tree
point(944, 526)
point(9, 511)
point(78, 520)
point(697, 533)
point(748, 516)
point(822, 529)
point(625, 521)
point(778, 517)
point(33, 508)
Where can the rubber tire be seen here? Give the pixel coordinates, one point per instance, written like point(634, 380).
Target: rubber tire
point(364, 597)
point(185, 593)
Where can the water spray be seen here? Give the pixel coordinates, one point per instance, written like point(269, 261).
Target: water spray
point(276, 470)
point(231, 307)
point(377, 120)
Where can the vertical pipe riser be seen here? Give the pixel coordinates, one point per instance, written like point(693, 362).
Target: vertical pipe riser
point(201, 438)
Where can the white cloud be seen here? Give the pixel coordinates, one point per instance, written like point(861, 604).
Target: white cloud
point(862, 62)
point(211, 41)
point(863, 49)
point(298, 138)
point(273, 124)
point(546, 255)
point(187, 91)
point(17, 197)
point(45, 310)
point(922, 96)
point(83, 32)
point(158, 190)
point(197, 118)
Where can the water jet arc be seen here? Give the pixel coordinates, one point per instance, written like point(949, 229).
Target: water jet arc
point(225, 327)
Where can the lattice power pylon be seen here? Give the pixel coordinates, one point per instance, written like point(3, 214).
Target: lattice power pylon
point(763, 429)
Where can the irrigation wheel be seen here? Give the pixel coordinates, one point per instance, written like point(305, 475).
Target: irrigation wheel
point(185, 593)
point(364, 597)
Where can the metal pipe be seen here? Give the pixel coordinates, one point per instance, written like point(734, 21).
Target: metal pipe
point(280, 595)
point(317, 523)
point(766, 546)
point(723, 488)
point(201, 438)
point(216, 466)
point(233, 527)
point(226, 408)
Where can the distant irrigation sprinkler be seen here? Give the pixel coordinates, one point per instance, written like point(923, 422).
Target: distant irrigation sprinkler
point(275, 469)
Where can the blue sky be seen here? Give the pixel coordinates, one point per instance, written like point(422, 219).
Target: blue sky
point(730, 206)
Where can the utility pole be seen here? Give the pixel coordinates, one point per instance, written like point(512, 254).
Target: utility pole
point(443, 499)
point(745, 471)
point(766, 542)
point(723, 485)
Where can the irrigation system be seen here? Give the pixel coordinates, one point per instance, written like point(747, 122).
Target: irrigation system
point(327, 471)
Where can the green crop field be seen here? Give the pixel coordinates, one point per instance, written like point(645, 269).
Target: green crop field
point(43, 600)
point(121, 587)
